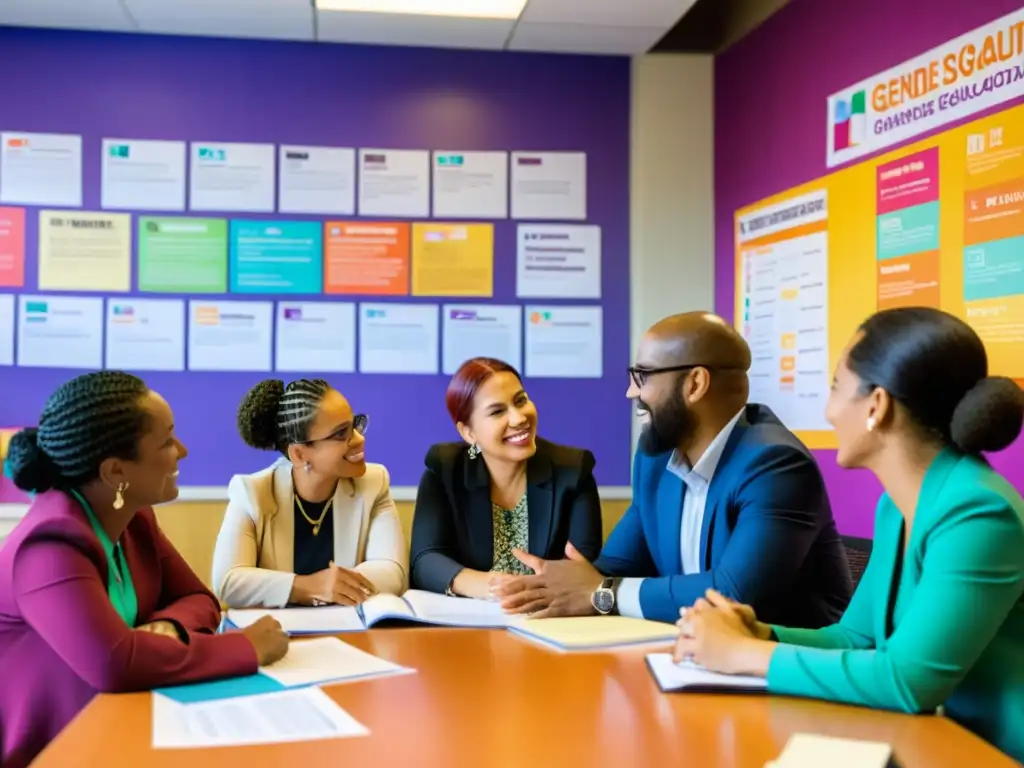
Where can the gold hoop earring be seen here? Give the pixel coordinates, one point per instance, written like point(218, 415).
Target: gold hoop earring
point(119, 495)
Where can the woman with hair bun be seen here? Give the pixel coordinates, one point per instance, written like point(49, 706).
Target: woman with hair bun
point(502, 492)
point(938, 617)
point(93, 597)
point(317, 527)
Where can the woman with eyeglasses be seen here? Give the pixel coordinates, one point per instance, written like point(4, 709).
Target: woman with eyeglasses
point(317, 527)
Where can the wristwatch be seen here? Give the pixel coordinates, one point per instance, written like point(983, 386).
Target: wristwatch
point(603, 598)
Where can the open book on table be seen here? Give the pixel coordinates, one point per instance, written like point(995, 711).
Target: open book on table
point(687, 677)
point(414, 607)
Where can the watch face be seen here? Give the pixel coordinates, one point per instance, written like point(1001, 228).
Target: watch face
point(604, 600)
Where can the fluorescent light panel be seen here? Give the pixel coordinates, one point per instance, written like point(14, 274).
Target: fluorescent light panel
point(473, 9)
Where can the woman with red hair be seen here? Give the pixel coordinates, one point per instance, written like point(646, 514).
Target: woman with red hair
point(499, 493)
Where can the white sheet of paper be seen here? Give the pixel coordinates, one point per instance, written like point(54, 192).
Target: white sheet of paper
point(808, 750)
point(472, 330)
point(315, 336)
point(549, 185)
point(327, 659)
point(558, 261)
point(229, 335)
point(470, 185)
point(325, 620)
point(146, 334)
point(398, 338)
point(317, 180)
point(60, 332)
point(143, 175)
point(564, 342)
point(394, 182)
point(41, 169)
point(301, 714)
point(671, 676)
point(232, 177)
point(7, 326)
point(456, 610)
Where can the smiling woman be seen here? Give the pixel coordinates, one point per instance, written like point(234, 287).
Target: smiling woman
point(500, 493)
point(317, 527)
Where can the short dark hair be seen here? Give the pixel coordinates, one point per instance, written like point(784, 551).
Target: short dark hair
point(467, 381)
point(936, 367)
point(273, 416)
point(88, 419)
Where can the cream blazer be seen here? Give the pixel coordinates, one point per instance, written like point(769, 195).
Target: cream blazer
point(254, 557)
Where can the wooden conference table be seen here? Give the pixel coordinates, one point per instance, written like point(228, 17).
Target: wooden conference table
point(489, 699)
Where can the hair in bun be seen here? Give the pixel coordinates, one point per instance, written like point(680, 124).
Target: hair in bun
point(273, 416)
point(30, 468)
point(257, 415)
point(989, 417)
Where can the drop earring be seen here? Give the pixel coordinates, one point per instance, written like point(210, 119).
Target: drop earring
point(474, 451)
point(119, 495)
point(871, 424)
point(306, 466)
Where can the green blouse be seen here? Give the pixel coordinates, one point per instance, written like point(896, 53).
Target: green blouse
point(511, 531)
point(120, 587)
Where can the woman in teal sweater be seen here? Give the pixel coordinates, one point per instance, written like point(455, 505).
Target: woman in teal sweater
point(938, 618)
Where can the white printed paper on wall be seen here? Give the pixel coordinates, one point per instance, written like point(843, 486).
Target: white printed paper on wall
point(229, 335)
point(398, 338)
point(41, 169)
point(232, 177)
point(143, 175)
point(316, 336)
point(470, 185)
point(7, 329)
point(318, 180)
point(481, 330)
point(558, 261)
point(564, 342)
point(146, 334)
point(394, 182)
point(60, 332)
point(549, 185)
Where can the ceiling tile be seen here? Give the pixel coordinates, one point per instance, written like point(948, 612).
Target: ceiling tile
point(607, 13)
point(269, 19)
point(66, 14)
point(401, 29)
point(583, 38)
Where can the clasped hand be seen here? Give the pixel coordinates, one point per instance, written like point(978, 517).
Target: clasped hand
point(556, 587)
point(335, 585)
point(723, 636)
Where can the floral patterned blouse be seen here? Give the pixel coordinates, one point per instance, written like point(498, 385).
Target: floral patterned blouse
point(511, 531)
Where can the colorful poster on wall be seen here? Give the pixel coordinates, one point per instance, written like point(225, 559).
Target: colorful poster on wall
point(470, 185)
point(183, 255)
point(366, 257)
point(558, 261)
point(938, 223)
point(7, 329)
point(145, 334)
point(394, 182)
point(276, 257)
point(452, 259)
point(974, 72)
point(398, 338)
point(41, 169)
point(60, 332)
point(783, 285)
point(232, 177)
point(85, 251)
point(480, 330)
point(564, 342)
point(143, 175)
point(230, 335)
point(317, 180)
point(315, 336)
point(549, 185)
point(12, 247)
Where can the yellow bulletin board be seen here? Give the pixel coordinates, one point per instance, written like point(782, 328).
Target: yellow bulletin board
point(936, 223)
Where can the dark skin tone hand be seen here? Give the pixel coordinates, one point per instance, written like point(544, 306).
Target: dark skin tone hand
point(557, 588)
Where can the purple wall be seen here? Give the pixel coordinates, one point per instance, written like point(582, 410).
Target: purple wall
point(770, 113)
point(146, 87)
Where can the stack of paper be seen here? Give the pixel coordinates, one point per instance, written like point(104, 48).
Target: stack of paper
point(304, 714)
point(590, 633)
point(329, 620)
point(806, 750)
point(689, 677)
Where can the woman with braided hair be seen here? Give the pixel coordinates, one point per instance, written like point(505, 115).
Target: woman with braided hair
point(317, 527)
point(93, 597)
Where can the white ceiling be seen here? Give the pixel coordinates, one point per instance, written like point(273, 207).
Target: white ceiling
point(625, 27)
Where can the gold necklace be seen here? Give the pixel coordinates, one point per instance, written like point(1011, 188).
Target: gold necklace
point(315, 523)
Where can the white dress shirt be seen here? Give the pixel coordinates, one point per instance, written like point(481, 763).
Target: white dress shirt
point(697, 480)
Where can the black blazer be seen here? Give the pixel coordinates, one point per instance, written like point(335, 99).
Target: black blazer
point(452, 527)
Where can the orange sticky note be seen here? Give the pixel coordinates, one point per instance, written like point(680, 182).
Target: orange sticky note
point(12, 247)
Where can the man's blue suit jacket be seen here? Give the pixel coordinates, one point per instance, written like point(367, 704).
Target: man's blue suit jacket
point(768, 538)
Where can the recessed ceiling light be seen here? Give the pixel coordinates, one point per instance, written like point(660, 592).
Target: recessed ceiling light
point(476, 9)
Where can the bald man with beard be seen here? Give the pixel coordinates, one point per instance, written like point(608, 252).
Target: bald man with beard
point(725, 498)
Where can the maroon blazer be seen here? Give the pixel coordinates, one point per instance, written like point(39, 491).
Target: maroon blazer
point(62, 642)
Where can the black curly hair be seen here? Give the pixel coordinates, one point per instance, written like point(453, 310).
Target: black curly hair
point(936, 367)
point(88, 419)
point(273, 416)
